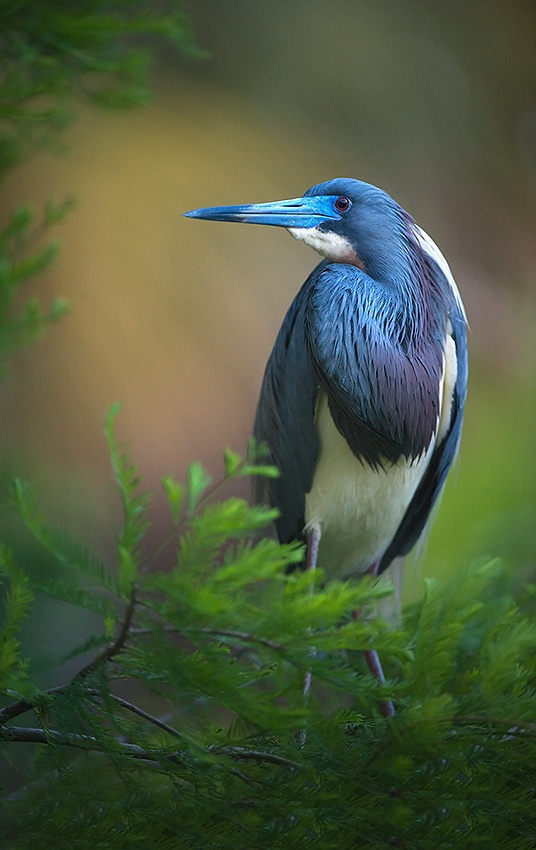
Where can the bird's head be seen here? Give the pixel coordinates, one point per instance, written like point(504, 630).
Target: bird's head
point(345, 220)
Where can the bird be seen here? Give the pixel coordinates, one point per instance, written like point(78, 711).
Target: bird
point(362, 400)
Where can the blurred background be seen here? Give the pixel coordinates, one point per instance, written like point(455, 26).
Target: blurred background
point(435, 103)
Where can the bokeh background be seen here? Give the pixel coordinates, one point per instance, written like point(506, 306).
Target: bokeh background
point(434, 102)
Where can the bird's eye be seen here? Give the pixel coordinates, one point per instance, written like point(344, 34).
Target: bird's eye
point(343, 203)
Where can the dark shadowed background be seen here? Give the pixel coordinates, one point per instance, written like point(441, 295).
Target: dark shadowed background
point(435, 103)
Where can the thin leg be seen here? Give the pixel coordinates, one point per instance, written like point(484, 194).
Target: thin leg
point(313, 542)
point(373, 659)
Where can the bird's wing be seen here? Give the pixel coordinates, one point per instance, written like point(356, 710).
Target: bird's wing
point(285, 421)
point(444, 453)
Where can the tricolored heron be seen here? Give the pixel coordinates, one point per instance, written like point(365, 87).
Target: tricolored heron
point(362, 399)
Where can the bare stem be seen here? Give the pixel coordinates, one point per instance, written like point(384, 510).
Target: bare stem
point(21, 706)
point(129, 706)
point(27, 735)
point(246, 637)
point(22, 734)
point(114, 647)
point(243, 636)
point(240, 753)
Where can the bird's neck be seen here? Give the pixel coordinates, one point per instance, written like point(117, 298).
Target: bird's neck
point(400, 269)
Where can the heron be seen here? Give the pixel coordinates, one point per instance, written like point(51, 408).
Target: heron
point(362, 399)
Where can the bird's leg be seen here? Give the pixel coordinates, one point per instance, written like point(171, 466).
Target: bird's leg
point(313, 542)
point(373, 659)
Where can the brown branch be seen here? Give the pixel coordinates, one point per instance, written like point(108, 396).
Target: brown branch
point(21, 706)
point(244, 636)
point(129, 706)
point(240, 753)
point(23, 734)
point(232, 633)
point(114, 647)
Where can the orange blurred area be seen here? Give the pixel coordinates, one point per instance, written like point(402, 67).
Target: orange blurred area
point(175, 318)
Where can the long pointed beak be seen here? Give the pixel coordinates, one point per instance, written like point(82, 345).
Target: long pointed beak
point(298, 212)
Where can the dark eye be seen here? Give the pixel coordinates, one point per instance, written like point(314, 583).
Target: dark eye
point(343, 203)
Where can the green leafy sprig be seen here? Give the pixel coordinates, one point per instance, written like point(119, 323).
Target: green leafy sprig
point(192, 700)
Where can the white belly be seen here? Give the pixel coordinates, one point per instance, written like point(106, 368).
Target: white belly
point(356, 509)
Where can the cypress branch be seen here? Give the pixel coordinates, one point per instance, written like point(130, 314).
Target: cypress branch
point(455, 767)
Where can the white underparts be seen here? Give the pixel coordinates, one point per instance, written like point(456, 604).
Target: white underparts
point(356, 508)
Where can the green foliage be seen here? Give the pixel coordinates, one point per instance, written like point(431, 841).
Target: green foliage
point(50, 52)
point(16, 601)
point(182, 723)
point(51, 55)
point(22, 256)
point(188, 727)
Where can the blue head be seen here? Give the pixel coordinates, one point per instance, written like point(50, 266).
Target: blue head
point(345, 220)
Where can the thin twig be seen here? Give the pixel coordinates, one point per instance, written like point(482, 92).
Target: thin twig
point(240, 753)
point(114, 647)
point(21, 706)
point(245, 778)
point(143, 630)
point(24, 705)
point(129, 706)
point(232, 633)
point(22, 734)
point(244, 636)
point(27, 735)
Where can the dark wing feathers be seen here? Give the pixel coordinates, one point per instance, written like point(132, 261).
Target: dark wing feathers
point(285, 420)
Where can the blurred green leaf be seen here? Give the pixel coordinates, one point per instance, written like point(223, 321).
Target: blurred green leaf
point(17, 598)
point(198, 482)
point(135, 504)
point(175, 496)
point(232, 462)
